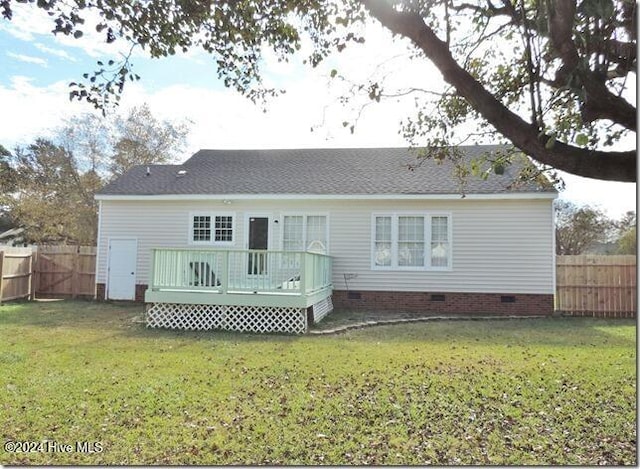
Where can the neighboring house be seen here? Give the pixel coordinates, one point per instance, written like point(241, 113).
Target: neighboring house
point(600, 248)
point(12, 237)
point(271, 239)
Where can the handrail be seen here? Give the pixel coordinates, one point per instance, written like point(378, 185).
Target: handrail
point(238, 250)
point(249, 271)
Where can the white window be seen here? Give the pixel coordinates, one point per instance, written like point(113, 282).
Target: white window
point(440, 241)
point(201, 228)
point(223, 229)
point(411, 241)
point(304, 232)
point(382, 243)
point(209, 228)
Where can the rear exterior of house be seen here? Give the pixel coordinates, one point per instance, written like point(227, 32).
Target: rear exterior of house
point(273, 240)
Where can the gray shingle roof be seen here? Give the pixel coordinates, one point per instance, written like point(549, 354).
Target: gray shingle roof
point(348, 171)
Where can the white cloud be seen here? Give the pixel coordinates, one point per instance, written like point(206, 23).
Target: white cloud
point(55, 52)
point(27, 59)
point(30, 23)
point(35, 111)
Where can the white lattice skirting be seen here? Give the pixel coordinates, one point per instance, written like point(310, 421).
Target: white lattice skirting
point(321, 309)
point(231, 318)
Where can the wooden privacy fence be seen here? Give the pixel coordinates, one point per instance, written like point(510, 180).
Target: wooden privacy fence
point(49, 271)
point(16, 268)
point(602, 286)
point(65, 271)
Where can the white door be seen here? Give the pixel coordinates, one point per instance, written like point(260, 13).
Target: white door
point(123, 254)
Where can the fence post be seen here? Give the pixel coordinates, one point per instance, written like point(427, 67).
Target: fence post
point(74, 272)
point(35, 279)
point(32, 270)
point(1, 273)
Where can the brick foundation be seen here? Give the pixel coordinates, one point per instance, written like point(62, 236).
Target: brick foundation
point(139, 297)
point(100, 291)
point(506, 304)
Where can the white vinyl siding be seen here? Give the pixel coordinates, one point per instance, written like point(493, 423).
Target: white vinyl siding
point(495, 246)
point(410, 241)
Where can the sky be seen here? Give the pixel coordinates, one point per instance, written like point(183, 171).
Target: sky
point(36, 68)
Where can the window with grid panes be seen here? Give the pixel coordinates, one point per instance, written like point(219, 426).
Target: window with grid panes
point(211, 228)
point(201, 228)
point(292, 233)
point(223, 228)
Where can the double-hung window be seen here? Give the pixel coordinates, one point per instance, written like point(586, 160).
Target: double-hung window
point(211, 228)
point(304, 232)
point(411, 241)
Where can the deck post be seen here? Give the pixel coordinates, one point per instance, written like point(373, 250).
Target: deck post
point(303, 273)
point(224, 281)
point(152, 269)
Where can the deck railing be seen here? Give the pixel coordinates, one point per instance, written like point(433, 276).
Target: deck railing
point(234, 271)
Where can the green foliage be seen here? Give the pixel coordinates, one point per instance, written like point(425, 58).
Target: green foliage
point(49, 186)
point(553, 69)
point(540, 392)
point(7, 176)
point(627, 242)
point(141, 139)
point(579, 228)
point(52, 200)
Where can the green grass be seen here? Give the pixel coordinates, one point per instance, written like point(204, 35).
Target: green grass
point(545, 391)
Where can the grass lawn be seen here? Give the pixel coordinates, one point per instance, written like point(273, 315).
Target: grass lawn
point(545, 391)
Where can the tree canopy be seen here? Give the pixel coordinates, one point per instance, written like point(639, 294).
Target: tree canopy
point(547, 75)
point(587, 230)
point(48, 187)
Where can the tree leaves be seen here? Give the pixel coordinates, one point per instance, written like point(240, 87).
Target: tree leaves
point(580, 228)
point(49, 186)
point(564, 65)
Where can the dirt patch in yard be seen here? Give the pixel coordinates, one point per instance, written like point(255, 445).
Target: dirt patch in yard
point(339, 321)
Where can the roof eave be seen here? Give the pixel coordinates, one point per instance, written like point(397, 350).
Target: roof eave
point(457, 196)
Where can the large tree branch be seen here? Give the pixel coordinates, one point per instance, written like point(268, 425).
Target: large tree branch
point(619, 166)
point(599, 102)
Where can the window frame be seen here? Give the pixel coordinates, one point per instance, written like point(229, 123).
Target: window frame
point(305, 216)
point(427, 216)
point(212, 215)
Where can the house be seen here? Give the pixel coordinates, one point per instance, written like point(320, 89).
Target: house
point(274, 239)
point(12, 237)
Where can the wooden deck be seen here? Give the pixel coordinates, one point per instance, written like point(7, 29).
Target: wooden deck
point(239, 277)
